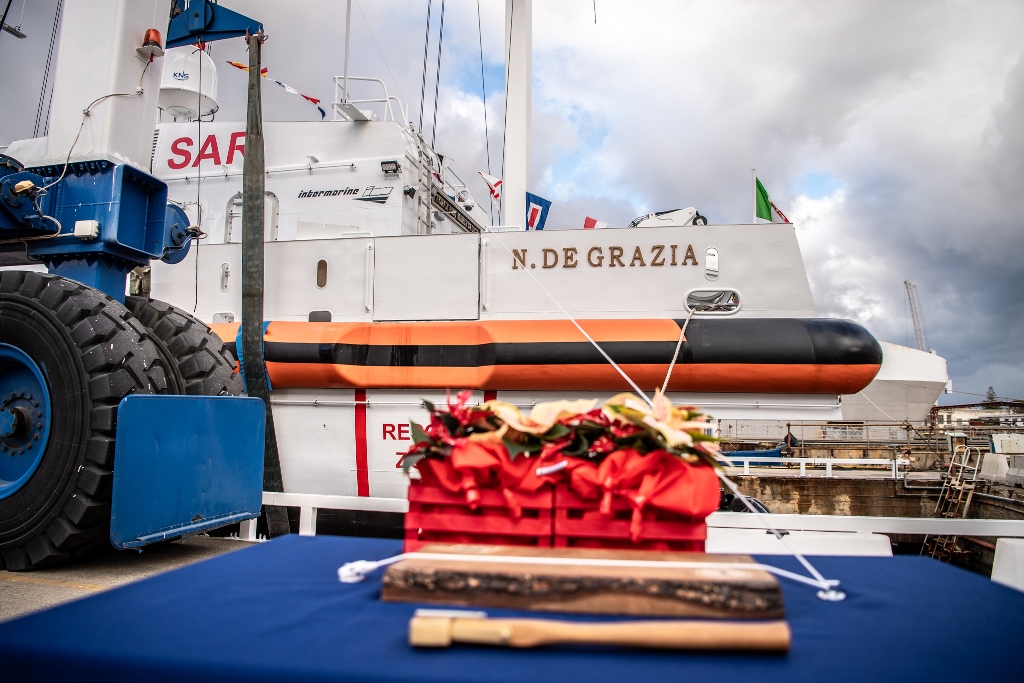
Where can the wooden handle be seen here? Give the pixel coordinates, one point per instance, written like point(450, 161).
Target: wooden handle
point(766, 636)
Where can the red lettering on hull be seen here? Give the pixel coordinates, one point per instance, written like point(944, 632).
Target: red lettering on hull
point(181, 151)
point(178, 150)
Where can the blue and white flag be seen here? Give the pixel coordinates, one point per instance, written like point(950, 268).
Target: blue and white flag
point(536, 211)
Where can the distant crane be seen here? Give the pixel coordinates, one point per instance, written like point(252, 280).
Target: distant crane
point(915, 305)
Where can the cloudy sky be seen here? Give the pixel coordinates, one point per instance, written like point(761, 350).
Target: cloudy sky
point(891, 133)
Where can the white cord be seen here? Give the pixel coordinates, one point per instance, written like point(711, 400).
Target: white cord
point(86, 114)
point(60, 228)
point(679, 345)
point(578, 327)
point(877, 406)
point(354, 572)
point(828, 587)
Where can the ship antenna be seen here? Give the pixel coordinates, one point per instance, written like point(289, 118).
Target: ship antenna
point(426, 48)
point(483, 92)
point(437, 77)
point(40, 119)
point(504, 123)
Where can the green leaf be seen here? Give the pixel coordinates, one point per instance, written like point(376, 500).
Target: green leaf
point(515, 449)
point(557, 432)
point(418, 435)
point(429, 406)
point(579, 446)
point(701, 436)
point(410, 460)
point(450, 423)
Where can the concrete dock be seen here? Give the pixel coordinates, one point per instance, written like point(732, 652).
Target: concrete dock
point(25, 592)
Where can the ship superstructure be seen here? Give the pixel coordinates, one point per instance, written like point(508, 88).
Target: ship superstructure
point(387, 284)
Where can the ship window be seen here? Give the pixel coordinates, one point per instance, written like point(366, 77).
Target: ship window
point(713, 301)
point(321, 273)
point(711, 264)
point(319, 316)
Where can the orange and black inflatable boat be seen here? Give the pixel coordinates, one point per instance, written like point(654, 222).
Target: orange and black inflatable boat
point(755, 355)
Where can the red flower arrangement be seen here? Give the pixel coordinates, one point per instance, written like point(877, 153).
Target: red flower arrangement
point(654, 455)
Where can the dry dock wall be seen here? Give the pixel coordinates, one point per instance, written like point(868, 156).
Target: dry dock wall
point(875, 497)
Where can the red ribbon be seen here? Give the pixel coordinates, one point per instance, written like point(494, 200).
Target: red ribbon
point(658, 479)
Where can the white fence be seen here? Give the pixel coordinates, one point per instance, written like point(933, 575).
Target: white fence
point(998, 528)
point(771, 430)
point(893, 463)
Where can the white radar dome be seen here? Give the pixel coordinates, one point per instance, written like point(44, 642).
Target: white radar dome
point(181, 93)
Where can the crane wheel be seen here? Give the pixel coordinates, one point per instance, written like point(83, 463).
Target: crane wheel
point(207, 368)
point(68, 355)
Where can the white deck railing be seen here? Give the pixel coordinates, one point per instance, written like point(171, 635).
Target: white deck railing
point(893, 463)
point(308, 505)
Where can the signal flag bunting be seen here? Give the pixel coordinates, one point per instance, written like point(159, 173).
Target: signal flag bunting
point(536, 211)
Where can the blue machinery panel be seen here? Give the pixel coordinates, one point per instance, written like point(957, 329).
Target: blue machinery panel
point(185, 464)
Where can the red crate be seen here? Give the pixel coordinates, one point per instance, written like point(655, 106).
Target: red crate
point(438, 516)
point(579, 524)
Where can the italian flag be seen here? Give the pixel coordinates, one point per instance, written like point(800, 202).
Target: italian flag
point(766, 208)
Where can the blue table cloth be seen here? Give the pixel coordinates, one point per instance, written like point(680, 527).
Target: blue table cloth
point(276, 612)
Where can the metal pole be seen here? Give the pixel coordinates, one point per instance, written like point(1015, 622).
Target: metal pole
point(4, 17)
point(753, 188)
point(253, 197)
point(348, 33)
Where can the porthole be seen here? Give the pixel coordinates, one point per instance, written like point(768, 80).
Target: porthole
point(713, 301)
point(321, 273)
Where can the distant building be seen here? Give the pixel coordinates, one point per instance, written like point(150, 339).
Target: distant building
point(986, 413)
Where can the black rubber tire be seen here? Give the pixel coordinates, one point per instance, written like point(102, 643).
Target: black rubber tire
point(206, 366)
point(93, 353)
point(699, 220)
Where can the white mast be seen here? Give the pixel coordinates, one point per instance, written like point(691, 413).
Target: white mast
point(753, 189)
point(518, 75)
point(348, 35)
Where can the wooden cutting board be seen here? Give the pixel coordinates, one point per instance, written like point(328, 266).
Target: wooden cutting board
point(711, 591)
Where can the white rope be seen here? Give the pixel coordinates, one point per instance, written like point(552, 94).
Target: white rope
point(679, 345)
point(354, 572)
point(578, 327)
point(828, 586)
point(877, 406)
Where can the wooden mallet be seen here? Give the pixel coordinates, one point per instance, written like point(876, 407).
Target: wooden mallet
point(441, 628)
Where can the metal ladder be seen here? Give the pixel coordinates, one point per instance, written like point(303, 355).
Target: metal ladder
point(954, 500)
